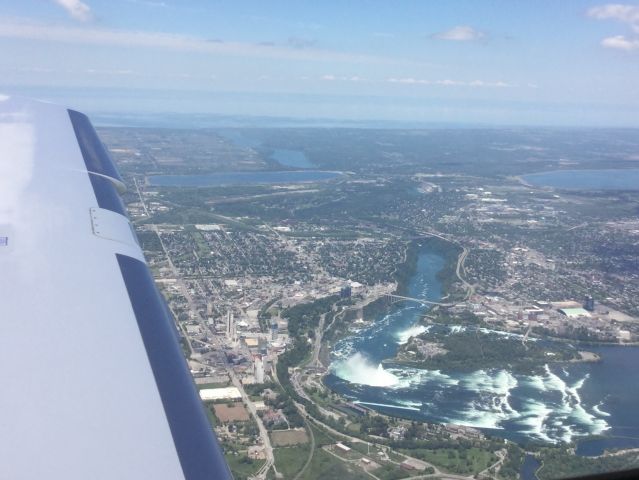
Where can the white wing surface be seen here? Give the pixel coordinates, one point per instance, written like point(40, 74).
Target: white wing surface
point(93, 382)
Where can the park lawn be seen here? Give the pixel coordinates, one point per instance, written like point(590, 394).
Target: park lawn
point(354, 427)
point(284, 438)
point(203, 249)
point(326, 466)
point(391, 472)
point(242, 466)
point(290, 460)
point(461, 461)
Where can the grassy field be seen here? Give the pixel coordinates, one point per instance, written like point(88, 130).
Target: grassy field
point(324, 438)
point(325, 466)
point(290, 460)
point(390, 472)
point(464, 462)
point(285, 438)
point(354, 427)
point(203, 249)
point(242, 467)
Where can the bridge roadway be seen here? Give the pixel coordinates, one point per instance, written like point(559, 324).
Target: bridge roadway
point(398, 298)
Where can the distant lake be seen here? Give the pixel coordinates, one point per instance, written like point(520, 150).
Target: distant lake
point(240, 178)
point(292, 158)
point(286, 158)
point(622, 179)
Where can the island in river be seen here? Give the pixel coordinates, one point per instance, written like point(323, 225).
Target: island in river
point(449, 344)
point(513, 384)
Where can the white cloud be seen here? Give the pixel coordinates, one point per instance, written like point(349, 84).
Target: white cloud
point(450, 83)
point(150, 3)
point(30, 30)
point(97, 71)
point(331, 78)
point(627, 14)
point(621, 43)
point(410, 81)
point(460, 33)
point(614, 11)
point(77, 9)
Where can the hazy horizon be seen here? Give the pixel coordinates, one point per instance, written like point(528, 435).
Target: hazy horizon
point(571, 63)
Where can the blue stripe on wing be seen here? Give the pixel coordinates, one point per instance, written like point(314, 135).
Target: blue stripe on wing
point(199, 453)
point(96, 156)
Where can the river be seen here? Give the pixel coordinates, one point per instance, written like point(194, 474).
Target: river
point(563, 404)
point(529, 468)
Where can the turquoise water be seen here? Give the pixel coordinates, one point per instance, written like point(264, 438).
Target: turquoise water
point(627, 179)
point(241, 178)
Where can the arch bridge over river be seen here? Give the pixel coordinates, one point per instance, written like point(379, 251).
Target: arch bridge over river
point(393, 298)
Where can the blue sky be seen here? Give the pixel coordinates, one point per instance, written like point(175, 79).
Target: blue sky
point(489, 62)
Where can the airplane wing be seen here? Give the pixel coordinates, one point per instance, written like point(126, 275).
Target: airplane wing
point(93, 381)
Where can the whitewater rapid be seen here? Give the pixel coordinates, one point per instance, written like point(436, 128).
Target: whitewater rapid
point(550, 406)
point(547, 406)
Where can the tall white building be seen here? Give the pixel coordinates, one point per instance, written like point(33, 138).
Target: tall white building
point(258, 369)
point(231, 332)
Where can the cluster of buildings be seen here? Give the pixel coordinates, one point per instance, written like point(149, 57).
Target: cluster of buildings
point(568, 318)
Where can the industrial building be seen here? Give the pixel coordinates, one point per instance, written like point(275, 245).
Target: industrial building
point(224, 393)
point(574, 312)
